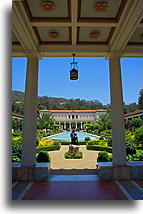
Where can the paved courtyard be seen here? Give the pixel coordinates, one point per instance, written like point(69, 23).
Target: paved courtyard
point(58, 161)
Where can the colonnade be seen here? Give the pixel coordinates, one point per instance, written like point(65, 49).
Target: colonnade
point(30, 114)
point(69, 125)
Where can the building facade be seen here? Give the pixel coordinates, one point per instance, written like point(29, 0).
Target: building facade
point(135, 114)
point(76, 118)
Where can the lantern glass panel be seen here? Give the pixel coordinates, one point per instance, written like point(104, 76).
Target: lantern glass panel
point(74, 74)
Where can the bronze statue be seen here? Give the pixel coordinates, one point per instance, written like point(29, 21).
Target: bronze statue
point(74, 137)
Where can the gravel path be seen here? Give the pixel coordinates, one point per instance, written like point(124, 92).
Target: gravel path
point(58, 161)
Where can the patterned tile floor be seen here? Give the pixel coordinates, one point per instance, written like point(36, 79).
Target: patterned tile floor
point(78, 187)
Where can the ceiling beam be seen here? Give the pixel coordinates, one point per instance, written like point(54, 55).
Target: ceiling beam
point(68, 24)
point(74, 5)
point(21, 28)
point(128, 23)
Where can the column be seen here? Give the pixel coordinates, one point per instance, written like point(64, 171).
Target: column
point(117, 111)
point(76, 125)
point(81, 125)
point(65, 125)
point(69, 125)
point(30, 112)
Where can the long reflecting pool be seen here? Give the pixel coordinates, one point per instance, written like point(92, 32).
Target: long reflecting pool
point(65, 136)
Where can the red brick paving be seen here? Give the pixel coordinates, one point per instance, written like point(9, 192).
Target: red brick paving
point(75, 190)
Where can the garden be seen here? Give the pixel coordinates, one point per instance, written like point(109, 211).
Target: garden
point(100, 127)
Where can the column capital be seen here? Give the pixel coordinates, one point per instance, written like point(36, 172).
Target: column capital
point(114, 54)
point(32, 53)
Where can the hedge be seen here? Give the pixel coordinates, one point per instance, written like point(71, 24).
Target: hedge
point(98, 142)
point(79, 155)
point(68, 142)
point(99, 148)
point(48, 148)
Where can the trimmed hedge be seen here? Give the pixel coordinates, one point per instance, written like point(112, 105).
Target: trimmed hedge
point(68, 142)
point(55, 147)
point(43, 157)
point(79, 155)
point(102, 157)
point(98, 142)
point(99, 148)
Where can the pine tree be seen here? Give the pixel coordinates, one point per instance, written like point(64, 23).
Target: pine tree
point(140, 100)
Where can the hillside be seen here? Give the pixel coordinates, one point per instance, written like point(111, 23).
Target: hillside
point(54, 103)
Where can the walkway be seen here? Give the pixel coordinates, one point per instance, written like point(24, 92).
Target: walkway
point(58, 161)
point(80, 186)
point(78, 190)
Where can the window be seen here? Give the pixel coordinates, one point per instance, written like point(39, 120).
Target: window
point(69, 116)
point(76, 116)
point(72, 116)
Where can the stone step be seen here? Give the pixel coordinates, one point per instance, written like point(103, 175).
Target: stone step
point(73, 171)
point(73, 178)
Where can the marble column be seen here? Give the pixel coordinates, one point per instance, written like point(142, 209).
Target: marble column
point(117, 111)
point(69, 125)
point(65, 125)
point(81, 125)
point(30, 112)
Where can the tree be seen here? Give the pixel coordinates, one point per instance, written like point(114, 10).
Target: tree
point(130, 108)
point(103, 122)
point(140, 100)
point(136, 123)
point(139, 136)
point(17, 124)
point(45, 120)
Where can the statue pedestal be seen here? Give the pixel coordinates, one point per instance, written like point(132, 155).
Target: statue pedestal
point(73, 149)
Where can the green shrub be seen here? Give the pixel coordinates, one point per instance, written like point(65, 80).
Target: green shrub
point(48, 148)
point(43, 157)
point(15, 158)
point(101, 138)
point(110, 142)
point(87, 139)
point(110, 158)
point(130, 148)
point(57, 143)
point(17, 149)
point(105, 134)
point(102, 157)
point(140, 147)
point(95, 132)
point(139, 136)
point(78, 129)
point(79, 155)
point(17, 133)
point(99, 148)
point(69, 142)
point(135, 157)
point(98, 142)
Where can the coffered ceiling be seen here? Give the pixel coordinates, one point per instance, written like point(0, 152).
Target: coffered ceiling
point(88, 28)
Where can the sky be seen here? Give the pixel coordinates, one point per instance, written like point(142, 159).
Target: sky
point(92, 84)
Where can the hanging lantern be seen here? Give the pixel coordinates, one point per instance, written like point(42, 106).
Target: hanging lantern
point(74, 69)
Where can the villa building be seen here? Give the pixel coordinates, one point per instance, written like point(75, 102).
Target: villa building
point(76, 118)
point(17, 116)
point(134, 114)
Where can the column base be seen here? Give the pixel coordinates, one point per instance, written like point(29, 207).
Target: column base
point(40, 172)
point(133, 170)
